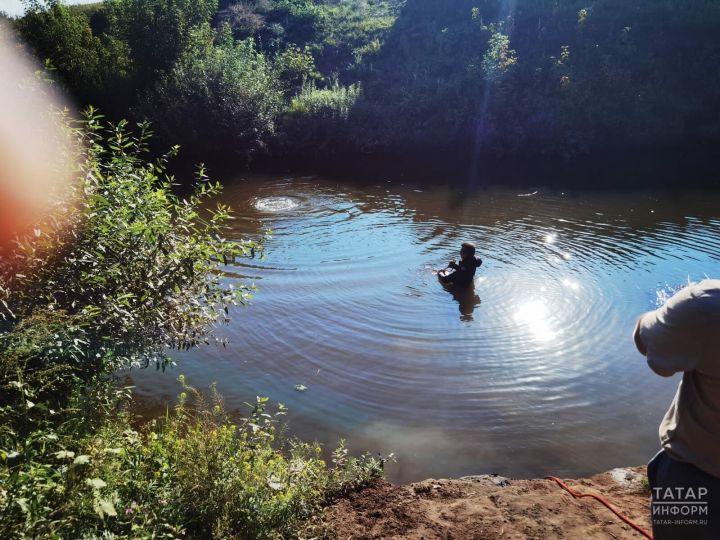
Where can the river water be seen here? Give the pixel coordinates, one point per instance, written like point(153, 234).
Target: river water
point(532, 372)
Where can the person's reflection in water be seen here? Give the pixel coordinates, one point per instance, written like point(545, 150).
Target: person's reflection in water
point(467, 299)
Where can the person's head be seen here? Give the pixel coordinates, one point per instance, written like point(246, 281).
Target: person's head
point(467, 250)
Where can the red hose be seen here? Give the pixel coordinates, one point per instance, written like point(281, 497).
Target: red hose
point(576, 494)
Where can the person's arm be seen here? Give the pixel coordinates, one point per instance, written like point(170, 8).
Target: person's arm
point(445, 278)
point(670, 336)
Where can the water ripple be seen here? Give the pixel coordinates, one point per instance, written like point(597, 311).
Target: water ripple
point(538, 352)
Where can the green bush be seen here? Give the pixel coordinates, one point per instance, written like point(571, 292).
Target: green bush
point(51, 402)
point(334, 102)
point(295, 67)
point(298, 22)
point(192, 474)
point(219, 90)
point(89, 65)
point(316, 119)
point(135, 265)
point(156, 31)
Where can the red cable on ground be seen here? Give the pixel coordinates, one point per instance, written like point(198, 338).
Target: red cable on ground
point(576, 494)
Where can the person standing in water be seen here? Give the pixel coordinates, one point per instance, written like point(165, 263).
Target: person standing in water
point(682, 337)
point(463, 272)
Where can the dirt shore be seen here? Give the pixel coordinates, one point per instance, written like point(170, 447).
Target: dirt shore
point(493, 507)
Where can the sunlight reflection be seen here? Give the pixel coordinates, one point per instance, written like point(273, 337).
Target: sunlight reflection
point(550, 238)
point(570, 284)
point(535, 315)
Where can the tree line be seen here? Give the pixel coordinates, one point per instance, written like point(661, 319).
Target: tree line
point(317, 79)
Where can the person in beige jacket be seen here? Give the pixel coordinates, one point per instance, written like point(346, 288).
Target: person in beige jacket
point(683, 336)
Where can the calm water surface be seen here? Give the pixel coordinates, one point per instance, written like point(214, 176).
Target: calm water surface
point(531, 373)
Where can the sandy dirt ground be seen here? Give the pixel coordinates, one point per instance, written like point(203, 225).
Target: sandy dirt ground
point(492, 507)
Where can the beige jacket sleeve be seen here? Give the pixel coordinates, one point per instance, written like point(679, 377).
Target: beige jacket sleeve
point(673, 336)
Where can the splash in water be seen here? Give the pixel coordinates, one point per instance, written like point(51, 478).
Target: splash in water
point(663, 294)
point(275, 204)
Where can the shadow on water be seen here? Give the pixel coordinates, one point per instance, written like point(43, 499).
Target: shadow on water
point(466, 297)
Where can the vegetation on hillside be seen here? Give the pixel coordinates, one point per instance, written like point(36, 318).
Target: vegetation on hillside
point(556, 79)
point(559, 78)
point(549, 78)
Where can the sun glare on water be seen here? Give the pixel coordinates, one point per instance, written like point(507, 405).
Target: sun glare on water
point(535, 315)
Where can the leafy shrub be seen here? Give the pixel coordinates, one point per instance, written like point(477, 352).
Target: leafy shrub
point(219, 90)
point(88, 64)
point(499, 57)
point(132, 264)
point(51, 399)
point(316, 119)
point(157, 31)
point(334, 102)
point(192, 474)
point(295, 67)
point(303, 22)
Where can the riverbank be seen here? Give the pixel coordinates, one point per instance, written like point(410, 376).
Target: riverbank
point(681, 166)
point(490, 507)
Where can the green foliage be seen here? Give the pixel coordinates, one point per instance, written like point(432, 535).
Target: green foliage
point(302, 22)
point(51, 398)
point(294, 67)
point(530, 78)
point(88, 64)
point(134, 265)
point(498, 58)
point(332, 103)
point(645, 484)
point(157, 31)
point(337, 32)
point(316, 118)
point(219, 90)
point(193, 474)
point(554, 78)
point(199, 86)
point(355, 31)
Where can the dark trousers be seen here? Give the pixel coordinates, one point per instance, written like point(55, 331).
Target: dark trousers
point(685, 500)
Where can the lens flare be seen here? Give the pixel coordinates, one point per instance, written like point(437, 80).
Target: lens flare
point(32, 143)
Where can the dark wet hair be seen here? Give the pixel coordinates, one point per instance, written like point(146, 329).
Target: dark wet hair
point(468, 247)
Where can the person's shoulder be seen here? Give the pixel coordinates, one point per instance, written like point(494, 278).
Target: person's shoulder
point(698, 302)
point(707, 288)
